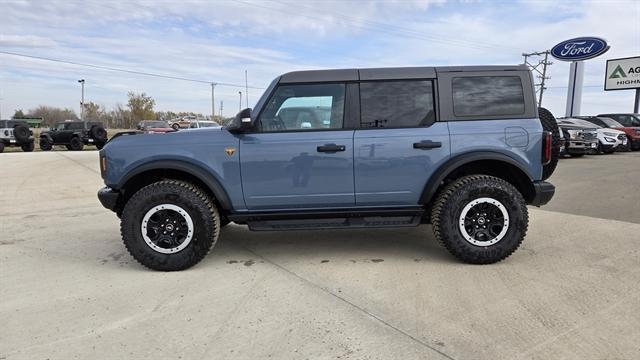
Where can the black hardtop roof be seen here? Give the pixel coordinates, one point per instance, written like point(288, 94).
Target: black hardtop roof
point(605, 115)
point(399, 73)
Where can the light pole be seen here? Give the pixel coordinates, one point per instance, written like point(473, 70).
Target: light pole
point(213, 99)
point(81, 81)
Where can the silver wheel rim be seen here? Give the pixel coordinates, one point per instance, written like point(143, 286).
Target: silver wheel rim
point(480, 219)
point(180, 238)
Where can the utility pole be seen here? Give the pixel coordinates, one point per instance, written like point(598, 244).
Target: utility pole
point(221, 107)
point(246, 87)
point(539, 66)
point(81, 81)
point(240, 104)
point(213, 100)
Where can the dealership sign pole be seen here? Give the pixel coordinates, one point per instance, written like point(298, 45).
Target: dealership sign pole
point(576, 51)
point(624, 74)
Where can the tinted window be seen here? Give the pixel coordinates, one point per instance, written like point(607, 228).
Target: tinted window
point(304, 107)
point(487, 95)
point(389, 104)
point(76, 126)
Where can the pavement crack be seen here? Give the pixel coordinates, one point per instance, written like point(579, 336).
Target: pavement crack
point(342, 299)
point(79, 163)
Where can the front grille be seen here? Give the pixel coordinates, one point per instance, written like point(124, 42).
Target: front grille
point(589, 135)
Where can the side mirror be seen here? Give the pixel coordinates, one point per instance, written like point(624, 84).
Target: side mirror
point(242, 122)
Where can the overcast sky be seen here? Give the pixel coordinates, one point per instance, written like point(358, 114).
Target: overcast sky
point(218, 40)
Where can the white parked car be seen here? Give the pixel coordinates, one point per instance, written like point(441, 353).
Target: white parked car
point(609, 140)
point(197, 124)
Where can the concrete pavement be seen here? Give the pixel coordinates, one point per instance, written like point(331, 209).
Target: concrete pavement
point(68, 288)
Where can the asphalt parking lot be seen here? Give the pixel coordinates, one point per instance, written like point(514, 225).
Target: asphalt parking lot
point(69, 289)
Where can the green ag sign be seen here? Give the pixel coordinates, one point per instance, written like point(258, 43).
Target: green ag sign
point(622, 74)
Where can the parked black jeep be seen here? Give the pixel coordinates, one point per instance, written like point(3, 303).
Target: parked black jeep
point(15, 133)
point(74, 135)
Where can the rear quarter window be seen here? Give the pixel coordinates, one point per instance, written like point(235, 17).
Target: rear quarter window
point(487, 96)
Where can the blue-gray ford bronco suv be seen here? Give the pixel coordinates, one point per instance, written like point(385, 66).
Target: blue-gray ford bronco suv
point(462, 148)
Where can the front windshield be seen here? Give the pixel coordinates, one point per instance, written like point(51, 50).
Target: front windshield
point(611, 123)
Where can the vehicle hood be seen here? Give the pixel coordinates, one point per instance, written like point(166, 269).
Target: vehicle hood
point(174, 138)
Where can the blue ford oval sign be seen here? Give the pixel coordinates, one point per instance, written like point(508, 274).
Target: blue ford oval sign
point(581, 48)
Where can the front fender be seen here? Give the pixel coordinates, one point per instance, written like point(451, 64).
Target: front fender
point(206, 177)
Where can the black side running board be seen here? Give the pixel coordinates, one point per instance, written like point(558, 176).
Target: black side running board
point(341, 219)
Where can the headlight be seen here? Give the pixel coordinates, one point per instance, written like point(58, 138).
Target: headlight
point(609, 134)
point(573, 134)
point(608, 139)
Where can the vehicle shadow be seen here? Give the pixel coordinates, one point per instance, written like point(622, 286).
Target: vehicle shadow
point(410, 244)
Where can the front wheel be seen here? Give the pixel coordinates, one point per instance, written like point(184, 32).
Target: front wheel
point(170, 225)
point(45, 144)
point(480, 219)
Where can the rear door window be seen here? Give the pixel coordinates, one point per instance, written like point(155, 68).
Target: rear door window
point(396, 104)
point(487, 96)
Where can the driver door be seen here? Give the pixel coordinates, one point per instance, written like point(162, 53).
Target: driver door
point(299, 156)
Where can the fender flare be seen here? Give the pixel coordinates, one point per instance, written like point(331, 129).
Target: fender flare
point(456, 162)
point(47, 136)
point(197, 171)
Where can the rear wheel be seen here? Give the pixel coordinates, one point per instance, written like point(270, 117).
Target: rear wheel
point(175, 127)
point(76, 144)
point(28, 147)
point(549, 123)
point(45, 144)
point(480, 219)
point(170, 225)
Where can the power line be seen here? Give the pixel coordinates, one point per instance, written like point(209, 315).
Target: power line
point(109, 68)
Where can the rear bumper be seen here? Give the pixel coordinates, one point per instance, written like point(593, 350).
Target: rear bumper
point(109, 198)
point(544, 191)
point(15, 142)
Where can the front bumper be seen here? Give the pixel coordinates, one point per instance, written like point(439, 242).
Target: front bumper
point(109, 198)
point(544, 191)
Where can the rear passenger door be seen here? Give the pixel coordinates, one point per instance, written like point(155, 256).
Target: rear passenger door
point(398, 143)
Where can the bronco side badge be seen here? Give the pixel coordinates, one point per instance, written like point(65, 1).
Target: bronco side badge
point(230, 150)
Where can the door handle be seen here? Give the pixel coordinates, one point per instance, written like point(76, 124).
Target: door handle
point(331, 148)
point(427, 144)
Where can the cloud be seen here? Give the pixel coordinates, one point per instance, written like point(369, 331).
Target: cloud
point(217, 41)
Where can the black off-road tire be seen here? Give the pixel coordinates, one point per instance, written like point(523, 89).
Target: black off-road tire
point(21, 133)
point(28, 147)
point(76, 144)
point(1, 147)
point(198, 205)
point(449, 206)
point(98, 133)
point(68, 147)
point(549, 123)
point(45, 144)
